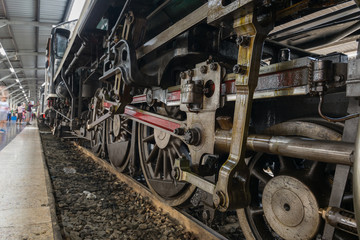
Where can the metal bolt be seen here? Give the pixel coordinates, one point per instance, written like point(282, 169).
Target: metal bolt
point(243, 41)
point(213, 66)
point(203, 69)
point(188, 137)
point(192, 136)
point(179, 131)
point(183, 75)
point(239, 69)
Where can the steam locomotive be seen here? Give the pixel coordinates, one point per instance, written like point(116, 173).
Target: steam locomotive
point(225, 99)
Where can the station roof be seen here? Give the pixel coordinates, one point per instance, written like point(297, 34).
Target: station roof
point(25, 26)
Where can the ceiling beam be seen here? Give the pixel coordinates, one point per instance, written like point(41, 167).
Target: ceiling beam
point(15, 55)
point(7, 76)
point(11, 33)
point(29, 79)
point(2, 70)
point(15, 91)
point(68, 7)
point(5, 22)
point(37, 42)
point(7, 87)
point(22, 53)
point(19, 95)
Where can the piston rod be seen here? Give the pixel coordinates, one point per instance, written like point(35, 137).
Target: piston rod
point(317, 150)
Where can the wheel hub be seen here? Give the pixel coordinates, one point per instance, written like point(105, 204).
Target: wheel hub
point(117, 125)
point(290, 208)
point(161, 138)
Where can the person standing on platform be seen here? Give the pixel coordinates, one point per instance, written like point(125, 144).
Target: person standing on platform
point(9, 115)
point(28, 113)
point(20, 110)
point(4, 108)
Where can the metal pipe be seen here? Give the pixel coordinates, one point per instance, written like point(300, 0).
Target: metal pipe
point(356, 177)
point(127, 3)
point(71, 94)
point(331, 39)
point(317, 150)
point(158, 9)
point(61, 114)
point(77, 54)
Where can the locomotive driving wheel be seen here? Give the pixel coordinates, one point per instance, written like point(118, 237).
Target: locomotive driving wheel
point(98, 132)
point(97, 139)
point(119, 141)
point(286, 194)
point(158, 151)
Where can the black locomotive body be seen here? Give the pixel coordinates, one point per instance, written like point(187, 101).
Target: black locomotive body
point(222, 98)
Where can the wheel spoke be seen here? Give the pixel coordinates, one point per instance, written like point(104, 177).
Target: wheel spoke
point(176, 149)
point(153, 154)
point(150, 138)
point(316, 169)
point(256, 211)
point(158, 163)
point(348, 198)
point(172, 160)
point(285, 163)
point(166, 164)
point(127, 130)
point(261, 175)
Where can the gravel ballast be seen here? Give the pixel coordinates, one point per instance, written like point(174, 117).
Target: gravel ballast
point(91, 203)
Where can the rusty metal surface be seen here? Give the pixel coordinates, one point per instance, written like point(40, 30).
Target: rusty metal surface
point(237, 8)
point(291, 208)
point(230, 194)
point(340, 219)
point(205, 119)
point(285, 74)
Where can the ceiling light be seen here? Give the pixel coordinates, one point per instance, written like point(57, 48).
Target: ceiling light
point(2, 51)
point(23, 91)
point(43, 84)
point(11, 70)
point(17, 80)
point(21, 87)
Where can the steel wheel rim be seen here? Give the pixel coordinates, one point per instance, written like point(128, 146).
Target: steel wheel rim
point(119, 146)
point(153, 161)
point(252, 225)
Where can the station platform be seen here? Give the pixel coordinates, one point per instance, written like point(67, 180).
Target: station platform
point(26, 209)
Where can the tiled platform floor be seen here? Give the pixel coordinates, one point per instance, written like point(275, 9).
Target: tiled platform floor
point(24, 202)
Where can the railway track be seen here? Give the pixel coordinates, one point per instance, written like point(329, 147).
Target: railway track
point(190, 223)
